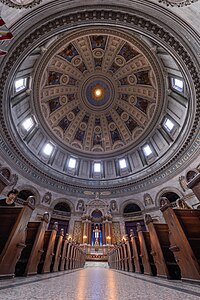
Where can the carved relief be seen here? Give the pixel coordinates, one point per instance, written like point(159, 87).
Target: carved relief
point(80, 206)
point(113, 205)
point(147, 199)
point(13, 180)
point(47, 198)
point(21, 3)
point(183, 183)
point(178, 3)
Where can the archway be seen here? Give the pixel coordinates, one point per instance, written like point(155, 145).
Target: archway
point(61, 214)
point(171, 196)
point(23, 196)
point(132, 213)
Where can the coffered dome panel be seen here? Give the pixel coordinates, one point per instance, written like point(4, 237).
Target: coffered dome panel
point(87, 106)
point(99, 90)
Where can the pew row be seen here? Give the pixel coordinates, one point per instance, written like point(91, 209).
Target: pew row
point(135, 250)
point(13, 225)
point(44, 265)
point(163, 258)
point(184, 236)
point(31, 254)
point(145, 251)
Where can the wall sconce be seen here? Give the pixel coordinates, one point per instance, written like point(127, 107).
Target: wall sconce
point(69, 237)
point(84, 238)
point(108, 238)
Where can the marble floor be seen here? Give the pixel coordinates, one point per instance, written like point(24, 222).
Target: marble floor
point(96, 282)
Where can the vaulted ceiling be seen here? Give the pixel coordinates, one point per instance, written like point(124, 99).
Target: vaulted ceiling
point(99, 84)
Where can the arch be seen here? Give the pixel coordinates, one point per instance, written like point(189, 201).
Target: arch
point(96, 215)
point(97, 204)
point(131, 208)
point(131, 201)
point(32, 192)
point(6, 173)
point(62, 206)
point(191, 174)
point(63, 200)
point(171, 193)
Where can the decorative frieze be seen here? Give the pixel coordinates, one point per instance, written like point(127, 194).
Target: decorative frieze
point(178, 3)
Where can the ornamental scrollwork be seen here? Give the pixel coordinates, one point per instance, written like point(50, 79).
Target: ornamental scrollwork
point(178, 3)
point(21, 3)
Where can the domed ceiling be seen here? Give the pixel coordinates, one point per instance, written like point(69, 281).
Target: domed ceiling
point(99, 84)
point(99, 90)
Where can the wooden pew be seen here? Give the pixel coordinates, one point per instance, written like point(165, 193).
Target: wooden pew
point(121, 258)
point(71, 257)
point(13, 224)
point(31, 254)
point(145, 251)
point(64, 252)
point(163, 258)
point(68, 255)
point(57, 250)
point(184, 235)
point(129, 254)
point(49, 241)
point(135, 251)
point(125, 256)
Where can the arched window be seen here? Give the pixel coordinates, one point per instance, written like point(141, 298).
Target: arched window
point(190, 175)
point(6, 173)
point(63, 207)
point(23, 196)
point(61, 215)
point(96, 214)
point(131, 208)
point(171, 196)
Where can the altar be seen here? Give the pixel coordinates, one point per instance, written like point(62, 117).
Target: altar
point(94, 254)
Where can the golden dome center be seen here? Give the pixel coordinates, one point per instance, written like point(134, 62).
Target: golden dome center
point(98, 92)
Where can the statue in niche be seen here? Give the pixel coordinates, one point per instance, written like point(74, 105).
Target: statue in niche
point(183, 183)
point(97, 196)
point(13, 180)
point(80, 205)
point(31, 199)
point(96, 237)
point(47, 198)
point(147, 199)
point(164, 201)
point(113, 205)
point(181, 203)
